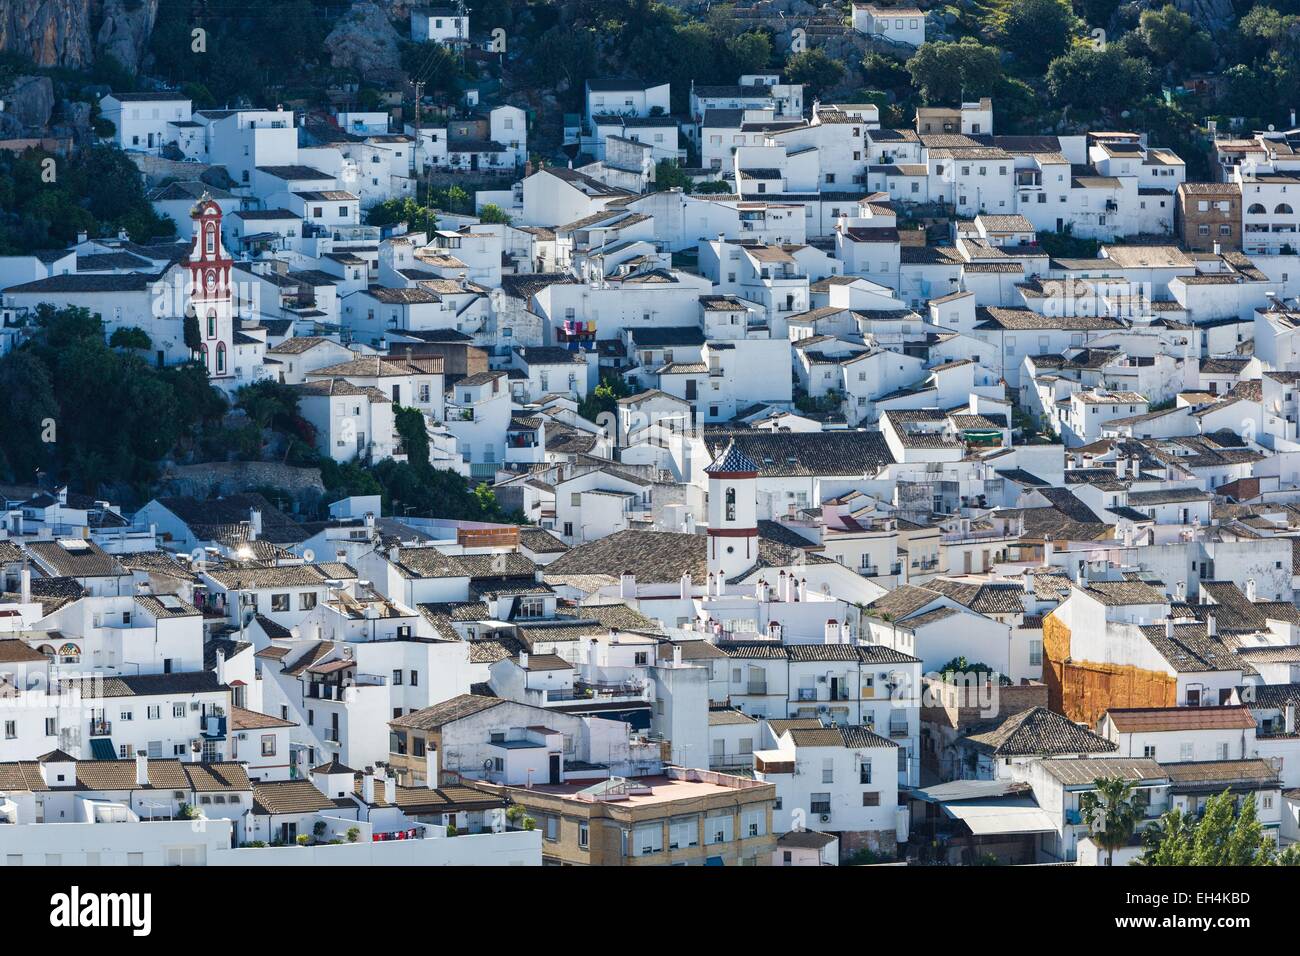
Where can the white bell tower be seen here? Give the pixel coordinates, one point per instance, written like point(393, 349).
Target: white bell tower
point(733, 512)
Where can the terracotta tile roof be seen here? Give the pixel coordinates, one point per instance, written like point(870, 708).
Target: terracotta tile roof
point(1137, 720)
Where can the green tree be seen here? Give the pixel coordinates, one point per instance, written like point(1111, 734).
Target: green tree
point(1097, 12)
point(1038, 31)
point(668, 175)
point(1112, 813)
point(393, 211)
point(1173, 38)
point(945, 72)
point(604, 397)
point(414, 430)
point(1089, 78)
point(130, 338)
point(1224, 835)
point(748, 53)
point(816, 69)
point(493, 213)
point(27, 409)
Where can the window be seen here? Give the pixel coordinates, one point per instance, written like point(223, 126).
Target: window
point(11, 730)
point(397, 677)
point(718, 829)
point(683, 833)
point(818, 803)
point(731, 504)
point(1035, 653)
point(268, 745)
point(280, 602)
point(1149, 751)
point(753, 823)
point(864, 772)
point(50, 727)
point(153, 712)
point(828, 770)
point(584, 835)
point(648, 840)
point(871, 798)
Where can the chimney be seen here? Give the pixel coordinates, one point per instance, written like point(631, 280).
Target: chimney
point(627, 586)
point(1180, 591)
point(368, 785)
point(832, 631)
point(1250, 590)
point(196, 754)
point(1288, 717)
point(1212, 626)
point(781, 583)
point(82, 236)
point(1293, 117)
point(25, 576)
point(254, 523)
point(390, 790)
point(677, 655)
point(760, 590)
point(523, 659)
point(686, 585)
point(1048, 550)
point(1218, 249)
point(431, 767)
point(142, 768)
point(803, 589)
point(221, 666)
point(1169, 628)
point(1028, 584)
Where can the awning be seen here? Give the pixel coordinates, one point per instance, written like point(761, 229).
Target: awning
point(993, 817)
point(101, 748)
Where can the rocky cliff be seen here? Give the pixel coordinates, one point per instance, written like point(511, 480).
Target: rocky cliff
point(50, 32)
point(124, 30)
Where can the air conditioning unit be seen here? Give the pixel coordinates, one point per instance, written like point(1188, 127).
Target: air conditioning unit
point(195, 705)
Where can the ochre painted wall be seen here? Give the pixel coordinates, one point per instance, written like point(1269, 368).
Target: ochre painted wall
point(1084, 690)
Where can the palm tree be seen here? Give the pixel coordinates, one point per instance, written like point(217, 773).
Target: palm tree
point(1111, 813)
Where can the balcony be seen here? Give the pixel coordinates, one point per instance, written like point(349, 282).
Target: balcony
point(756, 687)
point(897, 730)
point(101, 728)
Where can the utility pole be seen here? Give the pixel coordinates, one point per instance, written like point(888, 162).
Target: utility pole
point(415, 155)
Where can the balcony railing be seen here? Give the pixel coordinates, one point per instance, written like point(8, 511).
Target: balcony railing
point(898, 730)
point(757, 687)
point(101, 728)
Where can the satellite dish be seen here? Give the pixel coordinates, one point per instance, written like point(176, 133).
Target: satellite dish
point(309, 555)
point(487, 764)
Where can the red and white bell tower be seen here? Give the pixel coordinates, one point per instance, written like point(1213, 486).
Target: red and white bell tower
point(210, 293)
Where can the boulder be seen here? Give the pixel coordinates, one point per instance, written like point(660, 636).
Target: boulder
point(29, 102)
point(364, 40)
point(124, 32)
